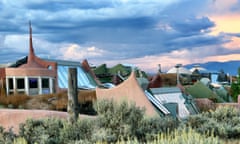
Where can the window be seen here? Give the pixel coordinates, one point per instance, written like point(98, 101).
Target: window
point(50, 67)
point(45, 83)
point(33, 83)
point(20, 83)
point(10, 83)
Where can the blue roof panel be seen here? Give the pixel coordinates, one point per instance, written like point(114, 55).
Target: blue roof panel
point(84, 81)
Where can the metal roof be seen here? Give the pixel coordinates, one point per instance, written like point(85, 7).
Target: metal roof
point(171, 95)
point(157, 103)
point(64, 62)
point(164, 90)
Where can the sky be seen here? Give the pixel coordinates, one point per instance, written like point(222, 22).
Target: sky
point(144, 33)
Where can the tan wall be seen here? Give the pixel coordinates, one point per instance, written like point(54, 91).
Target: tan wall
point(129, 91)
point(29, 72)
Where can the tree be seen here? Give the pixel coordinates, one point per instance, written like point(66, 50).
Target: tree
point(235, 87)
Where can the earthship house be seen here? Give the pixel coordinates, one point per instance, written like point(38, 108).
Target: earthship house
point(32, 75)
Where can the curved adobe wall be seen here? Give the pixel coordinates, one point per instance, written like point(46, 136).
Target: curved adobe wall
point(130, 91)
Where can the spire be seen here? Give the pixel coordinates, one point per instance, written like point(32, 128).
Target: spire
point(31, 50)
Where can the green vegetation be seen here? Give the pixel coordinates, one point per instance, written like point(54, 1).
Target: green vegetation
point(223, 122)
point(199, 90)
point(235, 87)
point(126, 123)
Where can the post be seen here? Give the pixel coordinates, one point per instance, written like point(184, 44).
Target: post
point(72, 96)
point(177, 67)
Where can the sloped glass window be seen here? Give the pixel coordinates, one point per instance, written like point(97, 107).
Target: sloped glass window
point(83, 79)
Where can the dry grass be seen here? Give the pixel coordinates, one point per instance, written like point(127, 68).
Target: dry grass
point(14, 100)
point(40, 102)
point(57, 101)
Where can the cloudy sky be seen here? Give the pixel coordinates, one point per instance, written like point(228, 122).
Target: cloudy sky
point(140, 32)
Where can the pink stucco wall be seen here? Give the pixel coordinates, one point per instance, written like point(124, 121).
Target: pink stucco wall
point(29, 72)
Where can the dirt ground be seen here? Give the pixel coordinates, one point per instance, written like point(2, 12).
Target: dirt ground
point(11, 118)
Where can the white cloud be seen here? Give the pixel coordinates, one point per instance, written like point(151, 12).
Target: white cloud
point(76, 52)
point(16, 42)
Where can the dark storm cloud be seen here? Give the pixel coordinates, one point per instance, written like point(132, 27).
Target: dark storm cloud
point(69, 4)
point(9, 56)
point(196, 41)
point(137, 23)
point(192, 26)
point(9, 26)
point(121, 30)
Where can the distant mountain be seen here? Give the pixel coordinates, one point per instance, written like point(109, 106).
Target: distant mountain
point(230, 67)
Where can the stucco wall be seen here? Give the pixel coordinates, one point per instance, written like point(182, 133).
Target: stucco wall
point(129, 91)
point(29, 72)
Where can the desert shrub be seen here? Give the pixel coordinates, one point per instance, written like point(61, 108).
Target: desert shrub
point(185, 136)
point(6, 136)
point(81, 130)
point(178, 136)
point(20, 140)
point(41, 131)
point(119, 120)
point(223, 122)
point(55, 131)
point(150, 128)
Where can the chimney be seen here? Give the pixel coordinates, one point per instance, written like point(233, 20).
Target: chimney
point(159, 68)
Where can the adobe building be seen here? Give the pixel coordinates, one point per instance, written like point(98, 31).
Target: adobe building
point(32, 75)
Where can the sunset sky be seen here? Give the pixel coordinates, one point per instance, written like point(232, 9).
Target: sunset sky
point(144, 33)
